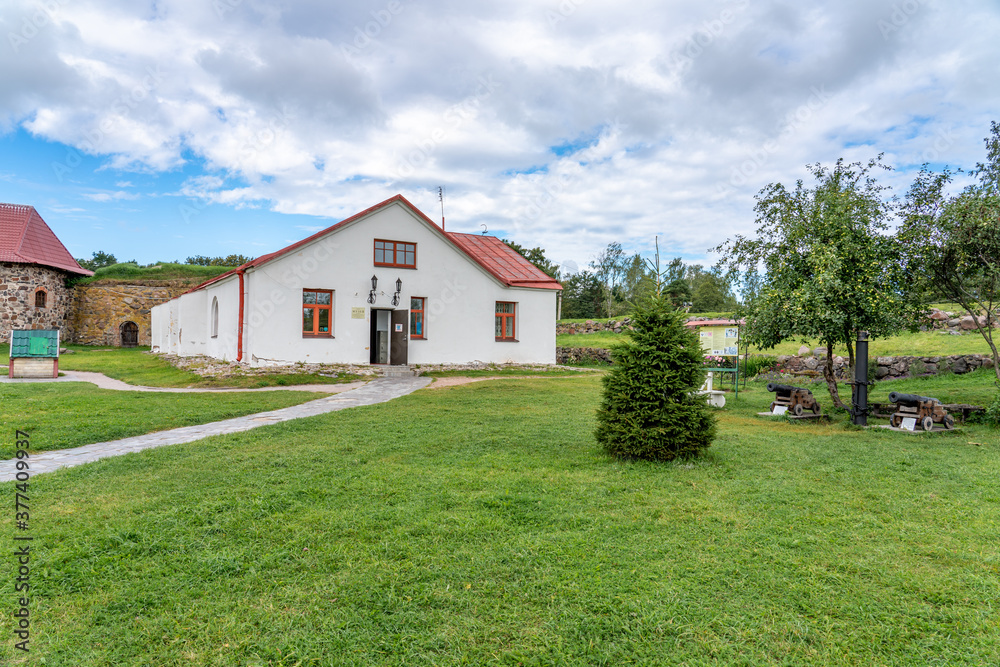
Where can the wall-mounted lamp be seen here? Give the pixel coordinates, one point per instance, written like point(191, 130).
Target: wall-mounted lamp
point(399, 288)
point(371, 295)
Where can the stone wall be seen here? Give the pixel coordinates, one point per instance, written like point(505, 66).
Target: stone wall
point(617, 326)
point(99, 311)
point(568, 356)
point(886, 368)
point(18, 284)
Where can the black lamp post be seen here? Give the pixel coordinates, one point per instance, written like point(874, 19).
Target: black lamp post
point(859, 407)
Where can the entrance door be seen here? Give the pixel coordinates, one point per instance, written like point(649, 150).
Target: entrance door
point(130, 334)
point(379, 343)
point(399, 335)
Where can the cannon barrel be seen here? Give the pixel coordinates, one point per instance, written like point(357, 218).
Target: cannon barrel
point(774, 386)
point(910, 399)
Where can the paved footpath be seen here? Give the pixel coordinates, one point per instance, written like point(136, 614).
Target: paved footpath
point(376, 391)
point(104, 382)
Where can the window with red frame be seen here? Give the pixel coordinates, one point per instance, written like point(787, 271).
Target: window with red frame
point(317, 312)
point(505, 325)
point(40, 298)
point(395, 253)
point(417, 306)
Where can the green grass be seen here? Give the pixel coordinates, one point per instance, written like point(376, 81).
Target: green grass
point(504, 372)
point(482, 525)
point(162, 272)
point(77, 413)
point(921, 343)
point(137, 366)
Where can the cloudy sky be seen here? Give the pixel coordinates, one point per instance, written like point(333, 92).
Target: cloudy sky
point(162, 129)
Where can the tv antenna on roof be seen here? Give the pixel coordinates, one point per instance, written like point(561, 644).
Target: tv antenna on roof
point(441, 197)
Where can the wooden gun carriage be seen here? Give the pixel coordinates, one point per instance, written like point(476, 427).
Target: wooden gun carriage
point(796, 399)
point(925, 410)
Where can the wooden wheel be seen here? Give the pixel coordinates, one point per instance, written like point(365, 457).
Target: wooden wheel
point(816, 409)
point(798, 410)
point(948, 422)
point(927, 423)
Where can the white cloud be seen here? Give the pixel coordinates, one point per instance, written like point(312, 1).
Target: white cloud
point(694, 107)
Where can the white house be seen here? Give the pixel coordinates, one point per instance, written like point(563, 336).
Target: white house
point(385, 286)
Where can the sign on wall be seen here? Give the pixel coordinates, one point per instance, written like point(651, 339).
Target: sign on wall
point(357, 313)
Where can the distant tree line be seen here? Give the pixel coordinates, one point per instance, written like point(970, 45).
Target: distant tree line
point(101, 259)
point(616, 282)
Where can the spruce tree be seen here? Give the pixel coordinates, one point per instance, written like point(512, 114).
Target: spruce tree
point(649, 410)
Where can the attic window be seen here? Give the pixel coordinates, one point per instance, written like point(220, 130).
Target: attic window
point(41, 296)
point(395, 253)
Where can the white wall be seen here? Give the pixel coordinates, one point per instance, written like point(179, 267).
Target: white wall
point(460, 302)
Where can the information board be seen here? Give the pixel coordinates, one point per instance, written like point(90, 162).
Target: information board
point(720, 340)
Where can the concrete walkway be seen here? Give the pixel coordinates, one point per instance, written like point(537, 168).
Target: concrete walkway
point(104, 382)
point(376, 391)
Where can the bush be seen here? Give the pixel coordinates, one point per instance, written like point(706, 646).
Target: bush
point(754, 364)
point(992, 416)
point(649, 410)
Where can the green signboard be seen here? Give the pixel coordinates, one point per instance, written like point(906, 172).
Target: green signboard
point(42, 343)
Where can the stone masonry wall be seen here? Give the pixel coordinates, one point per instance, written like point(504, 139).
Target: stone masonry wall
point(99, 311)
point(886, 368)
point(18, 283)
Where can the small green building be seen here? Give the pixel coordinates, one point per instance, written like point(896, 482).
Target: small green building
point(34, 354)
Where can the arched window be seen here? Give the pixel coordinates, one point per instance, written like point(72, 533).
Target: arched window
point(41, 296)
point(215, 317)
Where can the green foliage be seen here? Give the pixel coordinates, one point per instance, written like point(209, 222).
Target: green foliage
point(754, 364)
point(821, 266)
point(582, 296)
point(130, 271)
point(952, 244)
point(992, 416)
point(229, 260)
point(648, 410)
point(98, 260)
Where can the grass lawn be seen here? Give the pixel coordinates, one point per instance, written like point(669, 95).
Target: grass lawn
point(77, 413)
point(136, 366)
point(922, 343)
point(481, 524)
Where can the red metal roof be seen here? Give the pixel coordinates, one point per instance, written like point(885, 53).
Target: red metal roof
point(505, 263)
point(713, 323)
point(26, 239)
point(495, 256)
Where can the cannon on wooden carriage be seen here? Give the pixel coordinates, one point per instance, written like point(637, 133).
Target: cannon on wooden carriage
point(924, 410)
point(797, 399)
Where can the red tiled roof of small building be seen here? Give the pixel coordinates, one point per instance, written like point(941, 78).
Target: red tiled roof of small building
point(26, 239)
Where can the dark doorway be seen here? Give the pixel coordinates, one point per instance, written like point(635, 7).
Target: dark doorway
point(398, 336)
point(130, 334)
point(379, 343)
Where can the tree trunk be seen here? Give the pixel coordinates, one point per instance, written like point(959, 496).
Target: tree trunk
point(831, 379)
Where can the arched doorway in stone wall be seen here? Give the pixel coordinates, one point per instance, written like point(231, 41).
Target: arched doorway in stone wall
point(130, 334)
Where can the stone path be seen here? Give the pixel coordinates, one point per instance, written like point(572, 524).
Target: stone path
point(376, 391)
point(104, 382)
